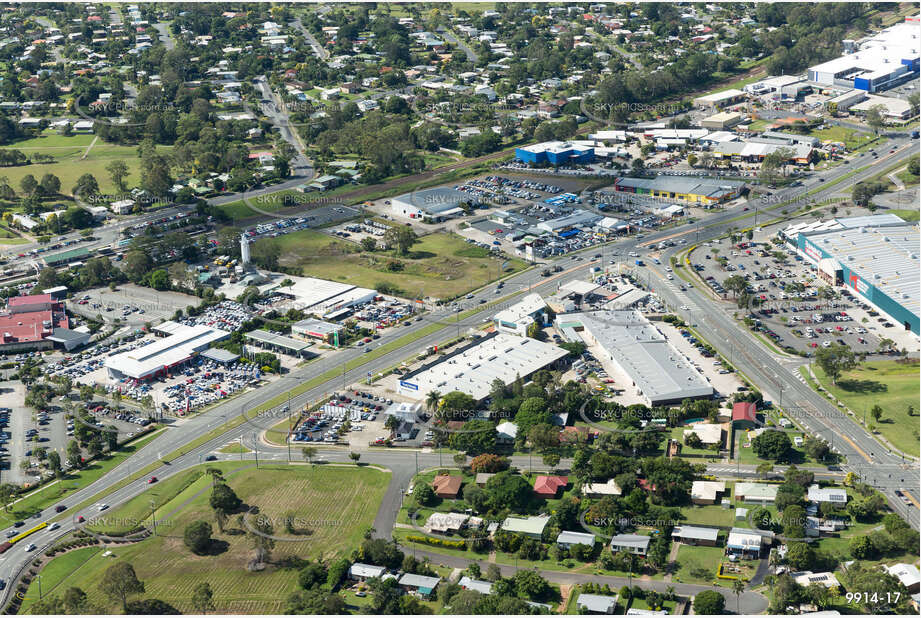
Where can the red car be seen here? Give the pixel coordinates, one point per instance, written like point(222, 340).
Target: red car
point(152, 479)
point(80, 519)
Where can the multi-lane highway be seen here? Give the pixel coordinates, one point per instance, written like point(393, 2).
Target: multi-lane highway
point(865, 455)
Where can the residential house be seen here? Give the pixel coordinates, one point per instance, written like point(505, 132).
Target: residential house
point(531, 527)
point(447, 485)
point(805, 578)
point(706, 492)
point(446, 523)
point(744, 415)
point(761, 493)
point(483, 477)
point(361, 572)
point(567, 539)
point(483, 587)
point(630, 543)
point(746, 543)
point(549, 486)
point(907, 574)
point(832, 495)
point(600, 490)
point(419, 584)
point(696, 535)
point(506, 432)
point(596, 603)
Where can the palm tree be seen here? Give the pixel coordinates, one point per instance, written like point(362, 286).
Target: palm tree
point(216, 476)
point(432, 399)
point(738, 586)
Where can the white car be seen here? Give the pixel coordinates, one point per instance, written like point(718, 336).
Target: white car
point(102, 506)
point(31, 547)
point(54, 526)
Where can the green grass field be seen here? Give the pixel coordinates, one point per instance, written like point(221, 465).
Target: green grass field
point(439, 265)
point(708, 515)
point(55, 576)
point(334, 505)
point(68, 163)
point(851, 137)
point(697, 564)
point(893, 386)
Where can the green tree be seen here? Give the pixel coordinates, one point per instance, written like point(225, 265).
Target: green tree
point(118, 172)
point(773, 445)
point(197, 537)
point(309, 452)
point(835, 360)
point(400, 238)
point(120, 582)
point(203, 598)
point(709, 603)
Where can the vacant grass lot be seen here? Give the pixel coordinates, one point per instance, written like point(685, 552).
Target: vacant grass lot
point(697, 564)
point(891, 385)
point(68, 163)
point(334, 505)
point(439, 265)
point(851, 137)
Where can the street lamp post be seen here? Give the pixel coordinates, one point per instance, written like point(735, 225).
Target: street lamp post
point(256, 449)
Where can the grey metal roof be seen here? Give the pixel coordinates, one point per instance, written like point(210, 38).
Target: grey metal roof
point(264, 336)
point(696, 532)
point(630, 540)
point(596, 602)
point(436, 201)
point(576, 538)
point(219, 355)
point(419, 581)
point(660, 371)
point(884, 257)
point(711, 187)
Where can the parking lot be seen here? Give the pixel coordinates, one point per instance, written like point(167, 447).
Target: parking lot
point(130, 303)
point(354, 416)
point(790, 306)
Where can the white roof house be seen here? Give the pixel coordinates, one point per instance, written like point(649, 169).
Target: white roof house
point(165, 353)
point(532, 526)
point(608, 488)
point(597, 603)
point(507, 431)
point(567, 538)
point(707, 490)
point(907, 573)
point(756, 492)
point(480, 586)
point(365, 571)
point(835, 495)
point(446, 522)
point(804, 578)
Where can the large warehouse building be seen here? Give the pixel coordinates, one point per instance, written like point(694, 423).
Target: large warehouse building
point(323, 298)
point(472, 369)
point(37, 322)
point(158, 358)
point(438, 204)
point(875, 257)
point(684, 188)
point(887, 59)
point(660, 373)
point(555, 153)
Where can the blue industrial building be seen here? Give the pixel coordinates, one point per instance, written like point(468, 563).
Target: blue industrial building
point(555, 153)
point(878, 264)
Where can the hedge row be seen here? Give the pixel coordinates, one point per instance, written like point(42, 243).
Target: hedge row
point(427, 540)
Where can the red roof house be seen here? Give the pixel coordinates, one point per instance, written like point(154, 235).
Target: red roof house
point(447, 486)
point(744, 414)
point(548, 486)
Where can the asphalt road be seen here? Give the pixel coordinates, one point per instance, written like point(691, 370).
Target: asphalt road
point(757, 363)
